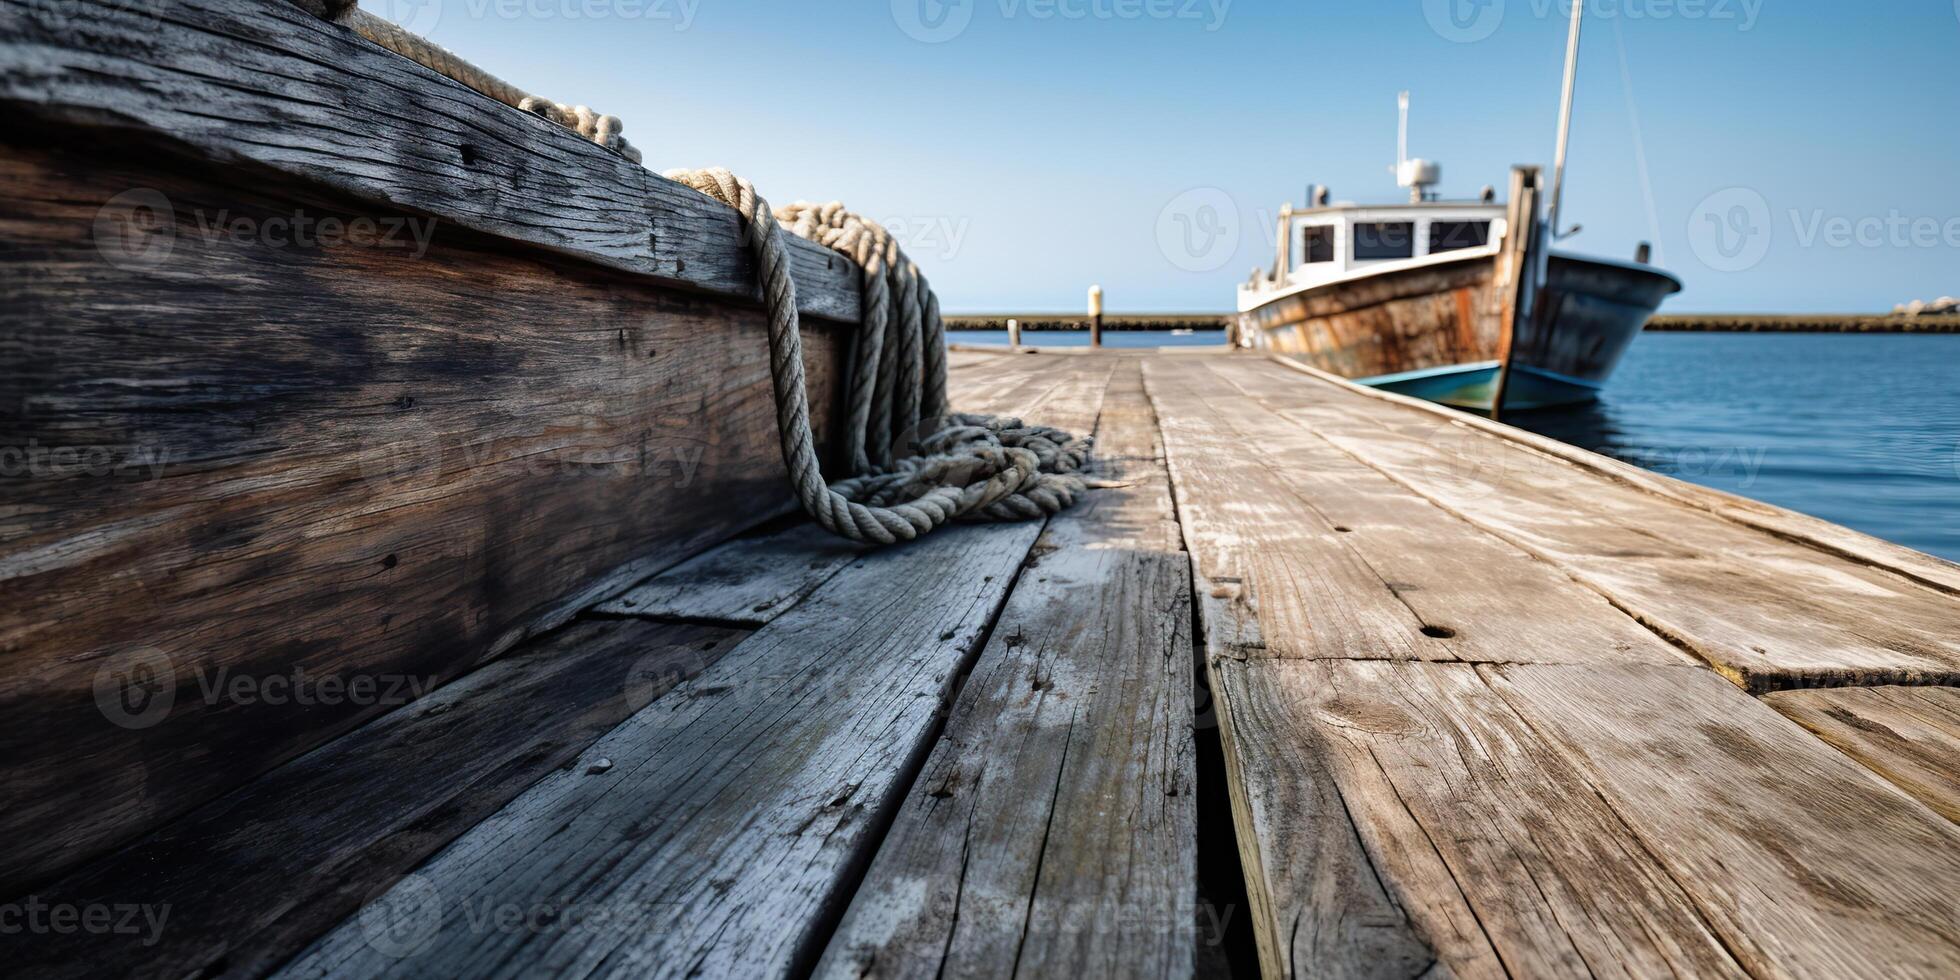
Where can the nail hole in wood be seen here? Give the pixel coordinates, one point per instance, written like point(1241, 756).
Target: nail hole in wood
point(1343, 529)
point(469, 155)
point(390, 561)
point(1438, 632)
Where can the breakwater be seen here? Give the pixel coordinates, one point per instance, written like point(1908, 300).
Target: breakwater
point(1080, 321)
point(1801, 323)
point(1665, 323)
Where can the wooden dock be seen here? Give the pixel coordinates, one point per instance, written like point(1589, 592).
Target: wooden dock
point(1488, 706)
point(1316, 681)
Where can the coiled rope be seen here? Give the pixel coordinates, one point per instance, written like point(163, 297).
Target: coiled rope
point(916, 466)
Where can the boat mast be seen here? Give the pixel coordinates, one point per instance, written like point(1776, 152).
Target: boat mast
point(1565, 115)
point(1402, 132)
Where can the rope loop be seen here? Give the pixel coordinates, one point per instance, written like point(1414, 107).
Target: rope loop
point(918, 467)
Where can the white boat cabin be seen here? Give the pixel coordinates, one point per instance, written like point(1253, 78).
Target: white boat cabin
point(1341, 242)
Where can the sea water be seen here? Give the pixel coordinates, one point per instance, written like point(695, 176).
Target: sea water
point(1858, 429)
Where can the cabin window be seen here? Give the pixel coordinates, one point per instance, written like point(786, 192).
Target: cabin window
point(1449, 236)
point(1317, 244)
point(1385, 240)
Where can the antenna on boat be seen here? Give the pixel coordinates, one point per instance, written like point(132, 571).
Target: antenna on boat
point(1417, 175)
point(1565, 118)
point(1402, 132)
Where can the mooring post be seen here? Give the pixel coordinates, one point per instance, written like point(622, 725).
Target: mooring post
point(1518, 275)
point(1095, 316)
point(1013, 332)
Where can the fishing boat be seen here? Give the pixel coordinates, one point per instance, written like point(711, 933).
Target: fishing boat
point(1459, 302)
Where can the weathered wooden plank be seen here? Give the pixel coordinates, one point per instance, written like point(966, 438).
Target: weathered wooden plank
point(1133, 509)
point(1816, 532)
point(1802, 861)
point(725, 833)
point(352, 461)
point(1909, 735)
point(751, 580)
point(1305, 553)
point(1062, 392)
point(315, 101)
point(248, 880)
point(1053, 830)
point(961, 359)
point(1399, 819)
point(746, 582)
point(1072, 404)
point(1766, 611)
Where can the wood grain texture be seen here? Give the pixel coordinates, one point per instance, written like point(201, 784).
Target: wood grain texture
point(737, 807)
point(1909, 735)
point(1766, 611)
point(262, 82)
point(351, 461)
point(746, 582)
point(1800, 859)
point(1053, 830)
point(1406, 821)
point(251, 878)
point(1811, 531)
point(1304, 553)
point(1064, 392)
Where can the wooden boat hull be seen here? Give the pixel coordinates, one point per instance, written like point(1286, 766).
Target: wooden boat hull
point(1434, 331)
point(239, 465)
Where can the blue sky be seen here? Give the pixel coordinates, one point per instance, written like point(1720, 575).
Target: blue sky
point(1803, 152)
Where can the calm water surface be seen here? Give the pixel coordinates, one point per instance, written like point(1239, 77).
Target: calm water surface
point(1859, 429)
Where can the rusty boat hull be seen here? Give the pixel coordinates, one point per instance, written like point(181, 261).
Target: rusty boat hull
point(1434, 330)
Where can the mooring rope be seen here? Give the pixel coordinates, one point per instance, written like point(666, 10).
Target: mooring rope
point(915, 465)
point(956, 467)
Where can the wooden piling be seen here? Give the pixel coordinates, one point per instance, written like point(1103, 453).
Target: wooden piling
point(1517, 274)
point(1095, 316)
